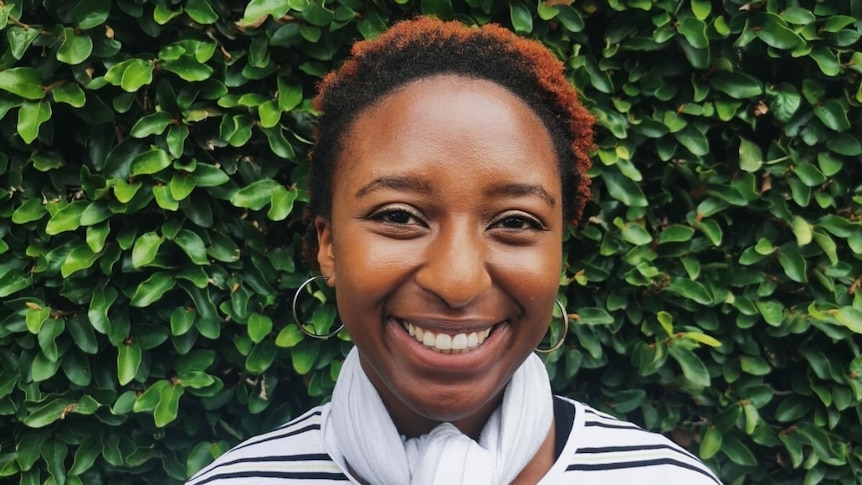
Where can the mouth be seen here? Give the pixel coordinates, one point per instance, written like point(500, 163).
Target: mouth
point(445, 343)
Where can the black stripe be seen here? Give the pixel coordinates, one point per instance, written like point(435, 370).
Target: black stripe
point(310, 427)
point(282, 475)
point(270, 459)
point(612, 425)
point(306, 416)
point(588, 467)
point(612, 449)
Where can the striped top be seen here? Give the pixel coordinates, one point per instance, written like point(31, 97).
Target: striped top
point(599, 449)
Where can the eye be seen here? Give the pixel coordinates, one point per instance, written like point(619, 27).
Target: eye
point(518, 222)
point(397, 216)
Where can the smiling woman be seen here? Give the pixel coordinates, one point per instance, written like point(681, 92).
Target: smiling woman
point(447, 163)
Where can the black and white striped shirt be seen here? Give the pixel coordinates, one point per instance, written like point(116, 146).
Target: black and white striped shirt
point(599, 449)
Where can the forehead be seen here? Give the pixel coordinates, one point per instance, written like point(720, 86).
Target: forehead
point(465, 122)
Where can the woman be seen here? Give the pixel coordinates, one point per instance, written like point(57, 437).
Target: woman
point(446, 163)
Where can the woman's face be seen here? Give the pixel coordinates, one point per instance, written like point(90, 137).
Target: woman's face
point(444, 246)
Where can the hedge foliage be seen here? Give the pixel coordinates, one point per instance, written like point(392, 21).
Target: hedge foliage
point(152, 155)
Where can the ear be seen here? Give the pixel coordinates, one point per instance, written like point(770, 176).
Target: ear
point(325, 251)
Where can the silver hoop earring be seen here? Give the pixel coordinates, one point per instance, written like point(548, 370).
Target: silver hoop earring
point(296, 314)
point(565, 331)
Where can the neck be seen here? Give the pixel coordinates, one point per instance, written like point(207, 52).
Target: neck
point(413, 423)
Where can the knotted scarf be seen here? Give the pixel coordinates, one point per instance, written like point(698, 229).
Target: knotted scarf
point(359, 434)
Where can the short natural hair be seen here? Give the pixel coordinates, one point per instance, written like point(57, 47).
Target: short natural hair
point(425, 47)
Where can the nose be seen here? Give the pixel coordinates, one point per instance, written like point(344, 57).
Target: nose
point(455, 267)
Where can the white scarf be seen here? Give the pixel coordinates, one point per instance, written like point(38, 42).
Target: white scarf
point(358, 431)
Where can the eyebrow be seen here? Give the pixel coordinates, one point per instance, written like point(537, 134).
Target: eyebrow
point(410, 184)
point(413, 184)
point(520, 190)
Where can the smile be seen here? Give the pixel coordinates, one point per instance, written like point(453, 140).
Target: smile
point(445, 343)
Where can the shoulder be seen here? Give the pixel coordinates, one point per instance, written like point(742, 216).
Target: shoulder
point(293, 452)
point(604, 449)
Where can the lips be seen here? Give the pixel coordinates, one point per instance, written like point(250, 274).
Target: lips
point(446, 343)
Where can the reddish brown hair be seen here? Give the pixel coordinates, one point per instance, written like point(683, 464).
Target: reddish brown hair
point(425, 47)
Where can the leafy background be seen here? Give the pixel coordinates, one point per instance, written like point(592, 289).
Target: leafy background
point(152, 156)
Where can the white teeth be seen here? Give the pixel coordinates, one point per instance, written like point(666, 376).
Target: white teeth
point(445, 343)
point(459, 342)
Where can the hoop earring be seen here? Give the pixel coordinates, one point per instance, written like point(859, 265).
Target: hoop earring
point(296, 314)
point(565, 331)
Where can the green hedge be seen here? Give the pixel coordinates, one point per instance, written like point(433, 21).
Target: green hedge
point(152, 155)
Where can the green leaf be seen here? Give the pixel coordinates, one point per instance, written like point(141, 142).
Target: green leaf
point(36, 317)
point(675, 234)
point(750, 156)
point(182, 320)
point(269, 114)
point(75, 48)
point(145, 249)
point(193, 246)
point(844, 144)
point(692, 367)
point(289, 336)
point(302, 357)
point(31, 116)
point(177, 135)
point(833, 114)
point(91, 13)
point(85, 456)
point(22, 81)
point(802, 230)
point(152, 289)
point(851, 318)
point(188, 69)
point(52, 410)
point(153, 161)
point(710, 444)
point(795, 266)
point(665, 319)
point(79, 258)
point(624, 189)
point(289, 94)
point(278, 143)
point(201, 12)
point(66, 219)
point(129, 357)
point(792, 408)
point(737, 451)
point(522, 18)
point(736, 85)
point(826, 60)
point(259, 326)
point(255, 195)
point(164, 199)
point(694, 31)
point(152, 124)
point(31, 210)
point(776, 34)
point(181, 186)
point(693, 139)
point(702, 338)
point(756, 366)
point(100, 303)
point(168, 406)
point(209, 176)
point(20, 40)
point(131, 74)
point(635, 234)
point(260, 8)
point(69, 93)
point(783, 100)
